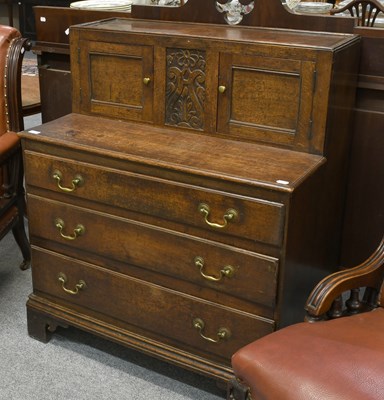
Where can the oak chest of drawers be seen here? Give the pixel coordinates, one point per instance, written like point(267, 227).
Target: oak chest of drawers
point(186, 220)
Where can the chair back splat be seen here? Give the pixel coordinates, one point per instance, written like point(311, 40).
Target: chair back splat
point(366, 11)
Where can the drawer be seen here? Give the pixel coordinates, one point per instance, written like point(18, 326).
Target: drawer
point(210, 265)
point(245, 217)
point(183, 321)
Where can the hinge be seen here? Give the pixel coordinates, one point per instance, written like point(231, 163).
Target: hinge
point(78, 55)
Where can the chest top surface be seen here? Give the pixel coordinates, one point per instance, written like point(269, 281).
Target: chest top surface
point(160, 147)
point(270, 36)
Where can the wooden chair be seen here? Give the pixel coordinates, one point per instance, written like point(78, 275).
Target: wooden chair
point(340, 355)
point(366, 11)
point(12, 199)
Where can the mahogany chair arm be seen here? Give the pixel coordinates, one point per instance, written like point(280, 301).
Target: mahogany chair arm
point(365, 10)
point(13, 77)
point(368, 274)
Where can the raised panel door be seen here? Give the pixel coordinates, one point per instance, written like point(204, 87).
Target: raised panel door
point(116, 80)
point(266, 99)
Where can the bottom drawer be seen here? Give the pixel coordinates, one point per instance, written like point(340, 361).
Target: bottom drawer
point(183, 321)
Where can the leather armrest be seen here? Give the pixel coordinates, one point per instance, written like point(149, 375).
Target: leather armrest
point(9, 141)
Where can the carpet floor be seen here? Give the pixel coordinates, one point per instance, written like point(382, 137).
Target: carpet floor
point(75, 364)
point(30, 88)
point(29, 66)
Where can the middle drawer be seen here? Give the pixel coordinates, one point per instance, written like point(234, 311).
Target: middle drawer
point(226, 269)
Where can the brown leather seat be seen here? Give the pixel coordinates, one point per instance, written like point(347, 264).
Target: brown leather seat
point(337, 359)
point(12, 201)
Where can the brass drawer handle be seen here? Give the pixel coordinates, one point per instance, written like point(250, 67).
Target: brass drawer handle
point(230, 215)
point(147, 81)
point(78, 231)
point(226, 271)
point(222, 333)
point(222, 89)
point(63, 280)
point(76, 181)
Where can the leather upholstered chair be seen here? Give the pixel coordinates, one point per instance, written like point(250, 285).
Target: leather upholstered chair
point(12, 199)
point(366, 11)
point(339, 356)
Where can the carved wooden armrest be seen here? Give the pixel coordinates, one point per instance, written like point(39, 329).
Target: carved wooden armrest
point(327, 294)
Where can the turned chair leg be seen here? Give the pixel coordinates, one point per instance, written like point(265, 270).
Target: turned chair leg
point(22, 241)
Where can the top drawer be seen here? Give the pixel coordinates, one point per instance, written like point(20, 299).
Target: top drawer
point(255, 219)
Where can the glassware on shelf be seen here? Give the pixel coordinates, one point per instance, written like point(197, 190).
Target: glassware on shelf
point(309, 7)
point(164, 2)
point(234, 11)
point(292, 3)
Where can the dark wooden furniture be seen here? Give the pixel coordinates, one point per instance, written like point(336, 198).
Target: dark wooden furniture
point(190, 202)
point(26, 14)
point(364, 215)
point(340, 358)
point(366, 11)
point(12, 202)
point(52, 38)
point(52, 49)
point(9, 5)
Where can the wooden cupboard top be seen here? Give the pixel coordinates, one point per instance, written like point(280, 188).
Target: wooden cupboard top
point(178, 150)
point(275, 36)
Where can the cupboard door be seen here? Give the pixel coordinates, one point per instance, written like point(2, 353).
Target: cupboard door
point(116, 80)
point(266, 99)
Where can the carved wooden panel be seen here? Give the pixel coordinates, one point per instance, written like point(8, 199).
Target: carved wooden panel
point(185, 88)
